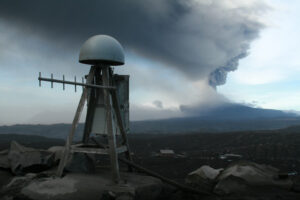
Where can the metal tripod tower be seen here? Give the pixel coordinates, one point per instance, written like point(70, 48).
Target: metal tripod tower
point(107, 96)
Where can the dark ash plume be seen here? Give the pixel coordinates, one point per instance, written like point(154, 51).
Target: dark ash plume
point(218, 77)
point(199, 39)
point(158, 104)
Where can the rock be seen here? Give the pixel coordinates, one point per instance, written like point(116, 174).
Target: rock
point(110, 195)
point(57, 151)
point(5, 177)
point(203, 178)
point(243, 177)
point(255, 174)
point(13, 188)
point(24, 159)
point(7, 198)
point(81, 162)
point(205, 172)
point(4, 162)
point(78, 186)
point(48, 187)
point(78, 162)
point(125, 196)
point(149, 191)
point(21, 160)
point(296, 185)
point(231, 185)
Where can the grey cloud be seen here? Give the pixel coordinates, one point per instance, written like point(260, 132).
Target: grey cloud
point(199, 40)
point(140, 112)
point(158, 104)
point(210, 101)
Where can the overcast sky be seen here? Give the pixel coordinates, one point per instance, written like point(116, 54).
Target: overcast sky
point(177, 53)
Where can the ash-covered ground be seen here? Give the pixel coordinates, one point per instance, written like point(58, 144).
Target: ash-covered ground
point(175, 156)
point(280, 149)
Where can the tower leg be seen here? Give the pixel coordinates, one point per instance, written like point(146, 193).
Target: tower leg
point(91, 106)
point(109, 125)
point(65, 156)
point(121, 126)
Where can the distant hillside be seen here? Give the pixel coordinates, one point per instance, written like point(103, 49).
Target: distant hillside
point(175, 125)
point(234, 111)
point(292, 129)
point(196, 124)
point(29, 140)
point(51, 131)
point(226, 118)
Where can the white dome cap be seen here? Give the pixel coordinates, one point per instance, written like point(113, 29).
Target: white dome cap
point(101, 49)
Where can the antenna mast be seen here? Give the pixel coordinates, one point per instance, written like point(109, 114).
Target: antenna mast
point(106, 114)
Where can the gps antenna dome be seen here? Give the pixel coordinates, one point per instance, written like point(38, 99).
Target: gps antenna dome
point(102, 49)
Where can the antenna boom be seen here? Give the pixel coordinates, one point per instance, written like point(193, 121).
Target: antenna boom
point(75, 83)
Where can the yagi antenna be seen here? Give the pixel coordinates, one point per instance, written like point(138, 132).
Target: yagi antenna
point(75, 83)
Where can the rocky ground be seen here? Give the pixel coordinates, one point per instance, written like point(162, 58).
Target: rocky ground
point(267, 170)
point(28, 173)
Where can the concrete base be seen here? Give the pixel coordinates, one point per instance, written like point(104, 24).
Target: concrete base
point(77, 186)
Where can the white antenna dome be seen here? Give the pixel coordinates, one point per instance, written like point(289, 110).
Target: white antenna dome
point(101, 49)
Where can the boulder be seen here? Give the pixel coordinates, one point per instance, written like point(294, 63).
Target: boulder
point(5, 177)
point(109, 195)
point(4, 162)
point(231, 185)
point(24, 159)
point(78, 162)
point(149, 191)
point(296, 185)
point(14, 185)
point(81, 162)
point(57, 151)
point(240, 176)
point(21, 160)
point(78, 186)
point(203, 178)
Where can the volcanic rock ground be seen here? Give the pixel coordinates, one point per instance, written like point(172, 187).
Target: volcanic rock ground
point(279, 149)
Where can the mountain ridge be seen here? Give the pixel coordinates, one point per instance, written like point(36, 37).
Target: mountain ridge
point(228, 118)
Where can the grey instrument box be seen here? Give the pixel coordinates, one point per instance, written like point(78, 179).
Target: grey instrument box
point(121, 82)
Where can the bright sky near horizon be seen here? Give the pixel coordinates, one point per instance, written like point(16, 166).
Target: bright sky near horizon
point(269, 77)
